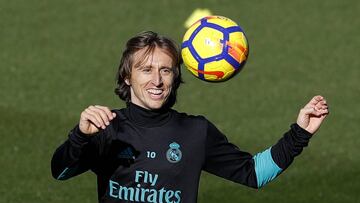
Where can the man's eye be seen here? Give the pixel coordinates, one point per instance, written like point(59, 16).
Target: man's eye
point(166, 70)
point(146, 70)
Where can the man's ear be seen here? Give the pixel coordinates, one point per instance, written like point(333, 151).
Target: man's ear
point(127, 81)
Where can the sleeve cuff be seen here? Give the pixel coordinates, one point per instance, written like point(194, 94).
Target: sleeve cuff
point(77, 137)
point(300, 132)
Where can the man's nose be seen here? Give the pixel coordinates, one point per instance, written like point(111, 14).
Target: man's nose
point(157, 78)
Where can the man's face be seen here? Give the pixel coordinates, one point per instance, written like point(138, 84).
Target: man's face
point(151, 82)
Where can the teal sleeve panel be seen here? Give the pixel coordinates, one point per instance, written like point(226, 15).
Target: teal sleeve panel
point(265, 168)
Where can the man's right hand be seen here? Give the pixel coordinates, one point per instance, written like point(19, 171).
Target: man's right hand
point(94, 118)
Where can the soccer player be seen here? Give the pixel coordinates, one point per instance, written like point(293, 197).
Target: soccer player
point(148, 152)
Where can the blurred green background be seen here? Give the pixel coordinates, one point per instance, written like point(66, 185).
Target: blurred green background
point(58, 57)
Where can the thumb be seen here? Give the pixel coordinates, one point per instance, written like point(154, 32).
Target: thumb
point(306, 111)
point(304, 116)
point(88, 128)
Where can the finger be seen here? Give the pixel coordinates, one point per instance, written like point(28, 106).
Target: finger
point(90, 118)
point(323, 116)
point(102, 114)
point(320, 111)
point(324, 106)
point(311, 111)
point(107, 111)
point(96, 117)
point(324, 111)
point(314, 101)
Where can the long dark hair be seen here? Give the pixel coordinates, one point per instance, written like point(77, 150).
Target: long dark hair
point(147, 40)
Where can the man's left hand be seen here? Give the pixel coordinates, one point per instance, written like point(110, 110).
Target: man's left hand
point(313, 114)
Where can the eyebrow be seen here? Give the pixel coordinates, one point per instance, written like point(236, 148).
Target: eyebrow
point(150, 66)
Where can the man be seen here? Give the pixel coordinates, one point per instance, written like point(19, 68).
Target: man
point(148, 152)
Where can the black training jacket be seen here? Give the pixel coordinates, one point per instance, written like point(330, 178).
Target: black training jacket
point(157, 156)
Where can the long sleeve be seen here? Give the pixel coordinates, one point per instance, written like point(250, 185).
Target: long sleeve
point(290, 145)
point(74, 156)
point(228, 161)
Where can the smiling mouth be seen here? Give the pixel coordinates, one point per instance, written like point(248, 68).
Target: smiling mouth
point(155, 93)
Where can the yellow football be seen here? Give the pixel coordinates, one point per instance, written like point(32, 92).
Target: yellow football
point(214, 48)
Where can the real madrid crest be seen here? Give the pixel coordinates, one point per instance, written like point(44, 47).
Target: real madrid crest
point(174, 154)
